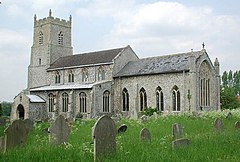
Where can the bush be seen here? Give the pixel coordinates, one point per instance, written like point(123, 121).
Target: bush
point(149, 111)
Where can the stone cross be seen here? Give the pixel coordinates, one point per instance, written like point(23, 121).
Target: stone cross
point(104, 135)
point(237, 125)
point(145, 135)
point(177, 131)
point(16, 134)
point(59, 131)
point(180, 142)
point(218, 124)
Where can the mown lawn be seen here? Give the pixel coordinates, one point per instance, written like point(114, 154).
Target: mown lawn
point(207, 144)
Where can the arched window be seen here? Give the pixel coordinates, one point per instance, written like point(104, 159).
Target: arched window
point(125, 100)
point(205, 86)
point(40, 38)
point(70, 77)
point(60, 38)
point(101, 74)
point(50, 102)
point(83, 102)
point(57, 77)
point(159, 99)
point(143, 99)
point(65, 102)
point(85, 75)
point(176, 99)
point(106, 101)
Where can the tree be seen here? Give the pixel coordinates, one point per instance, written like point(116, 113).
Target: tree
point(228, 98)
point(225, 79)
point(6, 108)
point(1, 111)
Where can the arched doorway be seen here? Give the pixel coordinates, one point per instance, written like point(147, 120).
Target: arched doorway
point(20, 111)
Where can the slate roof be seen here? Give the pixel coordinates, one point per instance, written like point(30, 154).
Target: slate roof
point(91, 58)
point(35, 99)
point(156, 65)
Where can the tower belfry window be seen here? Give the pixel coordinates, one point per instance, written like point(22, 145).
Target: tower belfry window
point(60, 38)
point(40, 38)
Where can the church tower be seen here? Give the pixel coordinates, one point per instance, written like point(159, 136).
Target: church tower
point(51, 40)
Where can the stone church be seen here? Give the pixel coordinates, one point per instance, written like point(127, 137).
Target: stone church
point(112, 81)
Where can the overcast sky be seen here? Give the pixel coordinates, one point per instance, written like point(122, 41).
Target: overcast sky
point(150, 27)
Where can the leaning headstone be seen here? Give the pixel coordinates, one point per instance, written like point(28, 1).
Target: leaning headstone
point(16, 134)
point(180, 142)
point(144, 118)
point(122, 129)
point(237, 125)
point(218, 124)
point(59, 131)
point(145, 135)
point(2, 121)
point(177, 131)
point(104, 135)
point(28, 125)
point(229, 115)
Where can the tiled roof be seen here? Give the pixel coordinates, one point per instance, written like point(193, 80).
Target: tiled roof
point(91, 58)
point(156, 65)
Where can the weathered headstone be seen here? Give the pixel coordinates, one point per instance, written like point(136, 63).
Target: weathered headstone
point(180, 142)
point(237, 125)
point(177, 131)
point(28, 125)
point(16, 134)
point(155, 115)
point(59, 131)
point(144, 118)
point(229, 115)
point(122, 129)
point(196, 114)
point(218, 124)
point(104, 135)
point(145, 135)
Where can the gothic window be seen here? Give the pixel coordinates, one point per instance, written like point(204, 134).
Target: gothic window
point(70, 77)
point(83, 103)
point(65, 102)
point(84, 75)
point(60, 38)
point(125, 100)
point(143, 99)
point(57, 77)
point(159, 99)
point(50, 102)
point(176, 99)
point(40, 39)
point(101, 74)
point(205, 87)
point(106, 101)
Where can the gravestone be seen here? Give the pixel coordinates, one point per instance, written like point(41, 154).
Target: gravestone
point(155, 115)
point(122, 129)
point(28, 125)
point(196, 114)
point(145, 135)
point(15, 134)
point(237, 125)
point(218, 124)
point(59, 131)
point(2, 121)
point(180, 142)
point(229, 115)
point(177, 131)
point(144, 118)
point(104, 135)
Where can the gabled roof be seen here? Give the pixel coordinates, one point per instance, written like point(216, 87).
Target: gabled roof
point(161, 64)
point(87, 59)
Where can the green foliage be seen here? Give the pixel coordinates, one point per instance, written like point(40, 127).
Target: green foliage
point(149, 111)
point(1, 111)
point(228, 98)
point(6, 108)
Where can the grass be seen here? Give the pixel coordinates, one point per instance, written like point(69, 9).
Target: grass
point(206, 144)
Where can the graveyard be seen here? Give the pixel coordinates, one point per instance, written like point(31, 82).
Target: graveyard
point(208, 136)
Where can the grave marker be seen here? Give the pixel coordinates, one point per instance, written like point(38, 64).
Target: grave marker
point(180, 142)
point(218, 124)
point(237, 125)
point(229, 115)
point(59, 131)
point(177, 131)
point(122, 129)
point(104, 135)
point(144, 118)
point(145, 135)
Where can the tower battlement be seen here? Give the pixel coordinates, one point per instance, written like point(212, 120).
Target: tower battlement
point(51, 19)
